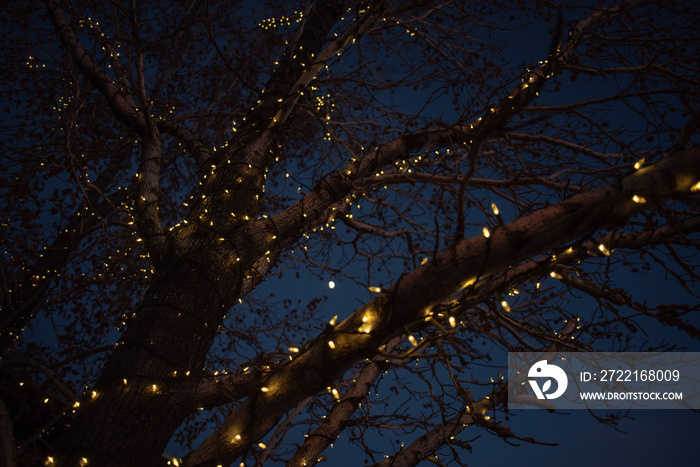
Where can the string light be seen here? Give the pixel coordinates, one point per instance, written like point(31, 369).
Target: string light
point(368, 319)
point(452, 321)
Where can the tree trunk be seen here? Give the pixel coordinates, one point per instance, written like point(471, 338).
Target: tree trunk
point(131, 413)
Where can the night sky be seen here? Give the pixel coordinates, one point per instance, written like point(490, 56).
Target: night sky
point(653, 437)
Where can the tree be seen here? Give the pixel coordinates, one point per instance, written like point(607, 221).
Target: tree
point(163, 164)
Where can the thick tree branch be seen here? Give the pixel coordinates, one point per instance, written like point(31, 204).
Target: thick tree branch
point(413, 297)
point(323, 436)
point(8, 446)
point(148, 222)
point(123, 104)
point(218, 391)
point(237, 176)
point(418, 177)
point(313, 209)
point(119, 98)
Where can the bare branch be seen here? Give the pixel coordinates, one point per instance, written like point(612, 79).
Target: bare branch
point(122, 104)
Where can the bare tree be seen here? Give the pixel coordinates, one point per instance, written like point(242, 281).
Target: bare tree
point(475, 168)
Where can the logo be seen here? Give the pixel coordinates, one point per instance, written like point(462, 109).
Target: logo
point(542, 369)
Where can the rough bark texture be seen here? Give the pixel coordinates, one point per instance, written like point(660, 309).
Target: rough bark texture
point(8, 450)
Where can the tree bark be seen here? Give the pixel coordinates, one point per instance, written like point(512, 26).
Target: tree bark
point(8, 447)
point(127, 418)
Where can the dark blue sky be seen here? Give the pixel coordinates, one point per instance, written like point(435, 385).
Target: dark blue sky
point(654, 437)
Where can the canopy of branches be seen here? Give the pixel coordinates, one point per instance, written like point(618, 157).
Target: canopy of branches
point(181, 179)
